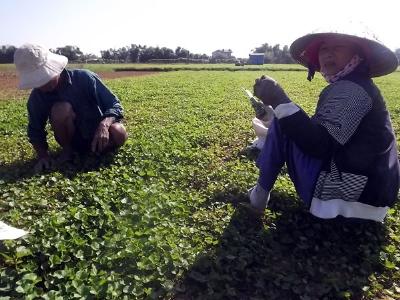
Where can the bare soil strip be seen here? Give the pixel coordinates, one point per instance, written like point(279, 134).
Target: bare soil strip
point(9, 82)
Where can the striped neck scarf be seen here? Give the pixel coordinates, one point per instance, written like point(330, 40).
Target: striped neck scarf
point(352, 64)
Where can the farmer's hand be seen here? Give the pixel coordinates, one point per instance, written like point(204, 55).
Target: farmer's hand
point(43, 164)
point(101, 138)
point(270, 92)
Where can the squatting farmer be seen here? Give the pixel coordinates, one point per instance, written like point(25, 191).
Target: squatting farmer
point(83, 113)
point(343, 160)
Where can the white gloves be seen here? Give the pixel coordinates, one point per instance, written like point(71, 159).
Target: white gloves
point(263, 112)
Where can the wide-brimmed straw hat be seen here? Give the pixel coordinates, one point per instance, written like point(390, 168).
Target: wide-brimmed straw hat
point(36, 65)
point(380, 59)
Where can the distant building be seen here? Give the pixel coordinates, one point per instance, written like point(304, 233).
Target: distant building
point(222, 54)
point(256, 59)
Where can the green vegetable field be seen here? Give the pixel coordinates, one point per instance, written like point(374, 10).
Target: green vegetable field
point(158, 219)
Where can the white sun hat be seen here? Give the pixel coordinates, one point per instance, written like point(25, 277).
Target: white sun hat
point(379, 58)
point(36, 65)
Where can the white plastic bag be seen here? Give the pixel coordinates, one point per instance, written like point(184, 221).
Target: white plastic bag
point(261, 128)
point(10, 233)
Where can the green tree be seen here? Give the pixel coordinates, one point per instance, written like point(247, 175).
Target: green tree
point(73, 53)
point(264, 48)
point(166, 53)
point(286, 57)
point(274, 54)
point(123, 54)
point(182, 52)
point(7, 54)
point(134, 53)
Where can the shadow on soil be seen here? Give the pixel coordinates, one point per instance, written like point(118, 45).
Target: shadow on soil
point(289, 254)
point(20, 170)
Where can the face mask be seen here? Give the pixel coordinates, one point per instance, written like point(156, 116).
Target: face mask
point(352, 64)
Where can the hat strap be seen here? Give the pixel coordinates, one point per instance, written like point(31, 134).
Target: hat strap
point(311, 72)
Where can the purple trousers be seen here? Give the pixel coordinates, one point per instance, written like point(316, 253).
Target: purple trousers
point(279, 149)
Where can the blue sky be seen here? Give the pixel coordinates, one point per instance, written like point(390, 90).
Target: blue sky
point(199, 26)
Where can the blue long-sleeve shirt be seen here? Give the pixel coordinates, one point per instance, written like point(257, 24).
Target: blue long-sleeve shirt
point(90, 99)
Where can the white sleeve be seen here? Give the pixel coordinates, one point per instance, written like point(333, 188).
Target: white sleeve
point(286, 109)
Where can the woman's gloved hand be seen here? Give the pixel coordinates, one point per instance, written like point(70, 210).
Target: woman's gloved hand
point(263, 112)
point(270, 92)
point(259, 108)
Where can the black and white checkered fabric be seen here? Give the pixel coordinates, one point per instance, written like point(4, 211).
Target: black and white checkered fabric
point(349, 187)
point(340, 109)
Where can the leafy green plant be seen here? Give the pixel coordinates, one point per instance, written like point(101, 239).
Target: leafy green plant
point(156, 219)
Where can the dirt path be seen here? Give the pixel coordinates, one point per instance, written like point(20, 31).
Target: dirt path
point(8, 86)
point(9, 82)
point(120, 74)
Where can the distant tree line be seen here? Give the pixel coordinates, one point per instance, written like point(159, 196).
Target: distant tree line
point(72, 52)
point(138, 53)
point(7, 54)
point(133, 53)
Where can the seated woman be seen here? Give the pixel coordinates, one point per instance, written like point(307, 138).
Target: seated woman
point(343, 160)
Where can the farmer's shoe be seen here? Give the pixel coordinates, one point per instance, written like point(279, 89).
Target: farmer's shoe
point(66, 155)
